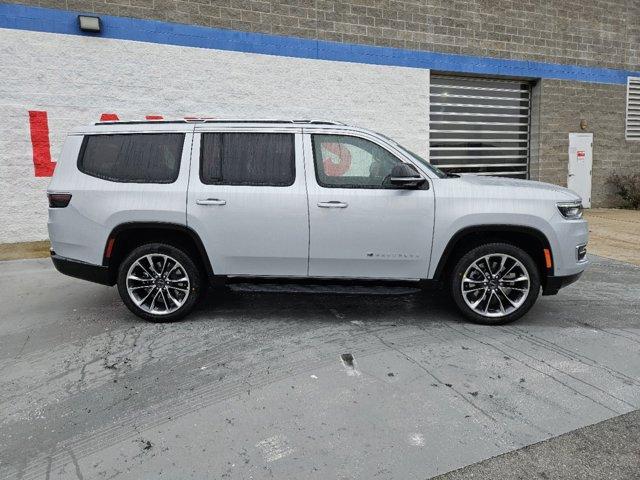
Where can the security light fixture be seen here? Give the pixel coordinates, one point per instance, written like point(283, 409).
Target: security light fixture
point(88, 23)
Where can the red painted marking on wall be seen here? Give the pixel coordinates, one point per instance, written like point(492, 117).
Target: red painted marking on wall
point(109, 117)
point(39, 126)
point(154, 117)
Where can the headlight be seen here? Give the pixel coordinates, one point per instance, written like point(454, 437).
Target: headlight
point(570, 210)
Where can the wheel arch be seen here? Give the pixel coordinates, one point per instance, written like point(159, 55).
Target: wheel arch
point(530, 239)
point(127, 236)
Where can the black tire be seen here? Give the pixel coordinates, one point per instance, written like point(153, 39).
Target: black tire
point(191, 271)
point(524, 302)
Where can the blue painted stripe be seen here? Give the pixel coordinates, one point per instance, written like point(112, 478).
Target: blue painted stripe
point(61, 21)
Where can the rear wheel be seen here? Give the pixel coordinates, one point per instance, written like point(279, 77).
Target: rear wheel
point(159, 282)
point(495, 283)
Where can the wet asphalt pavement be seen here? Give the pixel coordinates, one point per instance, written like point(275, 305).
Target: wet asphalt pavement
point(255, 383)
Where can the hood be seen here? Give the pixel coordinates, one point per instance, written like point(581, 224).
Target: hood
point(558, 192)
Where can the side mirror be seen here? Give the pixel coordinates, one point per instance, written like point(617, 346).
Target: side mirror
point(406, 176)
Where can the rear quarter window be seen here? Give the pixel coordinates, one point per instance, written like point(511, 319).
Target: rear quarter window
point(132, 158)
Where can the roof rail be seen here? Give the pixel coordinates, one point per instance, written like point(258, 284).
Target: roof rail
point(137, 122)
point(214, 120)
point(315, 122)
point(319, 122)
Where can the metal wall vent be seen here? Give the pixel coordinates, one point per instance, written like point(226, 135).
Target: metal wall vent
point(632, 130)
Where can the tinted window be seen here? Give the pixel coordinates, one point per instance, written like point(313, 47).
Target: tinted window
point(247, 159)
point(351, 162)
point(132, 158)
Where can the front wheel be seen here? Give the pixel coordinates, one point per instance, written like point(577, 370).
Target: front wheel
point(495, 283)
point(159, 282)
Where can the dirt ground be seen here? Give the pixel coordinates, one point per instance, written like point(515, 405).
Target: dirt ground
point(18, 251)
point(614, 233)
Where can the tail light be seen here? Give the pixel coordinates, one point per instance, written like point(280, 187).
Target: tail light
point(59, 200)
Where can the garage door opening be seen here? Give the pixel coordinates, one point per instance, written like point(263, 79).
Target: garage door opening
point(480, 125)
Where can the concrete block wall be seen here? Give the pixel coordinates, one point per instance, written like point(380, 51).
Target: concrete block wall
point(562, 105)
point(585, 32)
point(132, 79)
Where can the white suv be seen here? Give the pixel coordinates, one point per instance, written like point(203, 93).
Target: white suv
point(164, 208)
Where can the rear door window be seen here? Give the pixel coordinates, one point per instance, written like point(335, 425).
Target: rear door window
point(132, 158)
point(265, 159)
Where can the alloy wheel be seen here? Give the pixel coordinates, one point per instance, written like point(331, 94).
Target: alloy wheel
point(495, 285)
point(158, 284)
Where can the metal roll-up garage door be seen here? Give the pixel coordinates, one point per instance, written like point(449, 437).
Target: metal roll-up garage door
point(480, 125)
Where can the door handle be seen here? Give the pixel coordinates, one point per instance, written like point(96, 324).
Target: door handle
point(333, 204)
point(211, 201)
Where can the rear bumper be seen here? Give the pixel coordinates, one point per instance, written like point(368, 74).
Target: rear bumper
point(85, 271)
point(553, 284)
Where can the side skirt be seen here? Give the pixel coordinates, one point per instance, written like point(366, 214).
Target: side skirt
point(221, 280)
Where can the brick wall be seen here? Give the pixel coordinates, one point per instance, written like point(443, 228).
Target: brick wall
point(585, 32)
point(562, 105)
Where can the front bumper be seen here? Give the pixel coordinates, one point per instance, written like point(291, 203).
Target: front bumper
point(568, 235)
point(553, 284)
point(85, 271)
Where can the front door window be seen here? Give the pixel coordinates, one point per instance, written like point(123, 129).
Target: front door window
point(342, 161)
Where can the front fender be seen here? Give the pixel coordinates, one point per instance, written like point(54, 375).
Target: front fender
point(446, 235)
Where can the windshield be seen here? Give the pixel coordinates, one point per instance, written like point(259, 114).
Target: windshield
point(436, 171)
